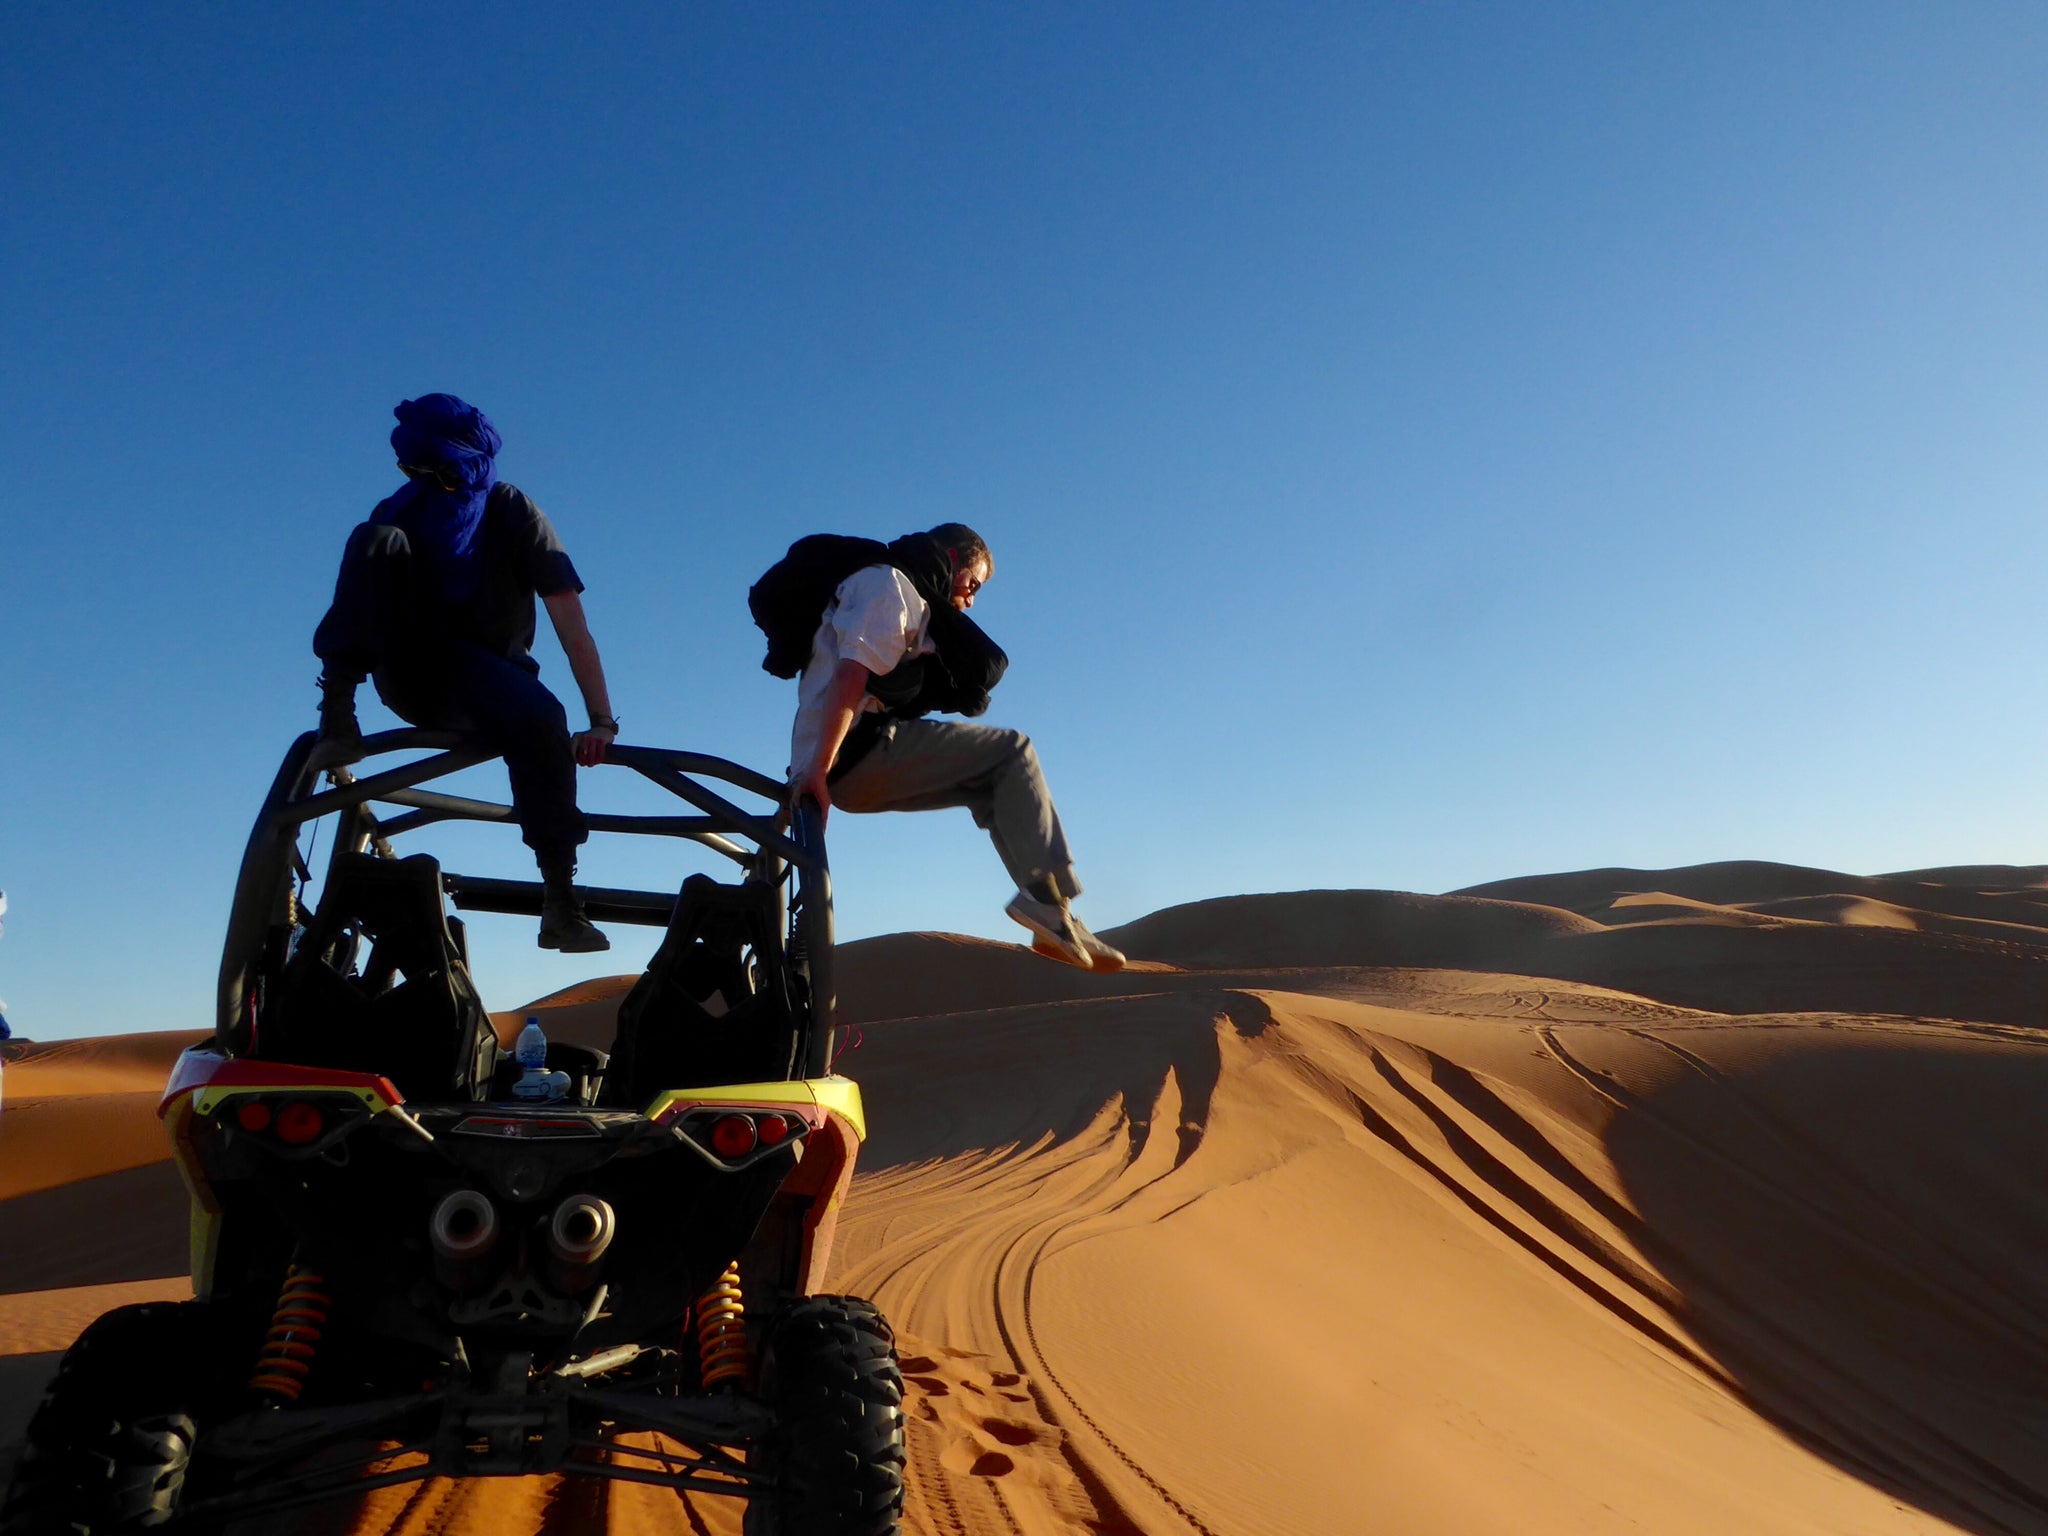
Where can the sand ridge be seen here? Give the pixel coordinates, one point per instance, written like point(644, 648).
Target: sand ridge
point(1672, 1200)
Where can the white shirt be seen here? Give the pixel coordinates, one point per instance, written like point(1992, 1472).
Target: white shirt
point(875, 618)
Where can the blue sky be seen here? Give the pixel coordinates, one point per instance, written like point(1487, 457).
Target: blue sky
point(1421, 444)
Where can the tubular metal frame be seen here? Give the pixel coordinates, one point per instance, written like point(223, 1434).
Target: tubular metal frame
point(263, 903)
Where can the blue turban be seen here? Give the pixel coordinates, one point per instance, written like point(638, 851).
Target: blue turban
point(454, 439)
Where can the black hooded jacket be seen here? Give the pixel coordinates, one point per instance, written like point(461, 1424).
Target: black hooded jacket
point(790, 599)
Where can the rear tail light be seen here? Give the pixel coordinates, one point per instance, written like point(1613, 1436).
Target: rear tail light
point(299, 1123)
point(733, 1136)
point(253, 1115)
point(731, 1133)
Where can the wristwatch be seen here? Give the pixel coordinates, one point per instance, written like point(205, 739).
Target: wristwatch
point(605, 723)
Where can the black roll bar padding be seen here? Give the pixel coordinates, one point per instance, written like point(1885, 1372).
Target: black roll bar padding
point(522, 898)
point(261, 886)
point(814, 922)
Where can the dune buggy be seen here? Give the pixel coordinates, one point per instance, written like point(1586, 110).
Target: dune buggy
point(402, 1272)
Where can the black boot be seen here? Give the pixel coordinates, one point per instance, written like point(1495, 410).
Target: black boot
point(563, 923)
point(338, 706)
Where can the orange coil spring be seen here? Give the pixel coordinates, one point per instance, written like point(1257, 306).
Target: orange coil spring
point(722, 1329)
point(295, 1329)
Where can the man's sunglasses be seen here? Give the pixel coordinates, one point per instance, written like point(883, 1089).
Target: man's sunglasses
point(445, 478)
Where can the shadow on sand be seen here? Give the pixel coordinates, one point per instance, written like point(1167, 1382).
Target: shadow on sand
point(1857, 1236)
point(939, 1087)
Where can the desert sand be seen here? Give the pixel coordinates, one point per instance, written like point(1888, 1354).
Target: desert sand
point(1696, 1200)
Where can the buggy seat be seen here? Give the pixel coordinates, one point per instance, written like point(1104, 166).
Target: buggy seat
point(714, 1004)
point(410, 1012)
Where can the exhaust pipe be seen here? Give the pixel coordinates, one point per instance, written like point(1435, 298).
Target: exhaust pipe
point(464, 1231)
point(579, 1232)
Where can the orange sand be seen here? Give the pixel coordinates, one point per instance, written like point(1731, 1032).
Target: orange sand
point(1680, 1201)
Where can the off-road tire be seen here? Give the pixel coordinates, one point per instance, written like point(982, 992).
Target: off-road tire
point(836, 1455)
point(112, 1440)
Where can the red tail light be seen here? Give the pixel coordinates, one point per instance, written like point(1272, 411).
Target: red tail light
point(773, 1129)
point(733, 1136)
point(298, 1124)
point(253, 1115)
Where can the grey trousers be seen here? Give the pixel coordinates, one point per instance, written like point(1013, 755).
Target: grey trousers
point(928, 765)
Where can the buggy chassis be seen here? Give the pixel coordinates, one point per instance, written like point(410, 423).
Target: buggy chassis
point(679, 1304)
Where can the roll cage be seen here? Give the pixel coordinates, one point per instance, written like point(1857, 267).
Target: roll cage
point(783, 852)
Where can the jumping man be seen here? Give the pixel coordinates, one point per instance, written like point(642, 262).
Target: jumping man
point(888, 649)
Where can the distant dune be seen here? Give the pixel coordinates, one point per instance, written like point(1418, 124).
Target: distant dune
point(1686, 1201)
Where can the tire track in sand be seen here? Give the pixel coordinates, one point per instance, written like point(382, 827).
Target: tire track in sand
point(964, 1270)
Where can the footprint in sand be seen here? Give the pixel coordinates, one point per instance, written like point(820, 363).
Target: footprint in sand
point(964, 1456)
point(967, 1407)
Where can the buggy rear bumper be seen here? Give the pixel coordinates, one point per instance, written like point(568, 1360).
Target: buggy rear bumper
point(278, 1459)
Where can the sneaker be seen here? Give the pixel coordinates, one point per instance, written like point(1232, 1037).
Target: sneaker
point(1052, 929)
point(564, 926)
point(1106, 957)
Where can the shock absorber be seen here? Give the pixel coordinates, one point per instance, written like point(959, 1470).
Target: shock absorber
point(722, 1329)
point(295, 1328)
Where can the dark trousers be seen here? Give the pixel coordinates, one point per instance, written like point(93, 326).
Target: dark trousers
point(384, 623)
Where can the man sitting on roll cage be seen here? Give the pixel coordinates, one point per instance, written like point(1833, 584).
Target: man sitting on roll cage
point(435, 602)
point(893, 644)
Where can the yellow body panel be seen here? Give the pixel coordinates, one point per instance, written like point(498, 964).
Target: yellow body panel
point(841, 1095)
point(205, 1226)
point(207, 1100)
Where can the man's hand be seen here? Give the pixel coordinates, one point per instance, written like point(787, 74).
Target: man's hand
point(812, 785)
point(842, 701)
point(590, 745)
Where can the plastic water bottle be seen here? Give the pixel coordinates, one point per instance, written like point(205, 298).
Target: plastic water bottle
point(535, 1080)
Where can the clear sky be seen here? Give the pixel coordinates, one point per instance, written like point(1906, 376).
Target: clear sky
point(1421, 444)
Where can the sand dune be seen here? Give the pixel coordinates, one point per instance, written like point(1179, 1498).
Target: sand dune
point(585, 1014)
point(76, 1109)
point(48, 1142)
point(1687, 1201)
point(107, 1064)
point(1678, 954)
point(2000, 893)
point(1658, 906)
